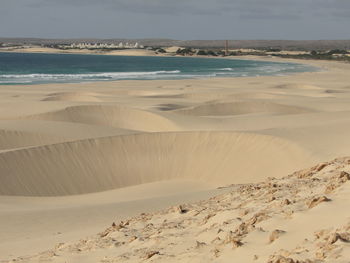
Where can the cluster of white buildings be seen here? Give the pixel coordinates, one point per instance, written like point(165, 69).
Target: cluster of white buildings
point(121, 45)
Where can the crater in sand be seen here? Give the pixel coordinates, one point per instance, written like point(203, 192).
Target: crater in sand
point(95, 165)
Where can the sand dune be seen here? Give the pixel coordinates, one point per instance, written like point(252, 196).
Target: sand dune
point(73, 96)
point(300, 218)
point(101, 164)
point(298, 86)
point(243, 107)
point(114, 116)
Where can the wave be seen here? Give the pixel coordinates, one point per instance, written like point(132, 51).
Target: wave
point(102, 75)
point(15, 82)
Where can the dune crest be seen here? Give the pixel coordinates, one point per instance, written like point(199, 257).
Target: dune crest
point(242, 107)
point(114, 116)
point(73, 96)
point(95, 165)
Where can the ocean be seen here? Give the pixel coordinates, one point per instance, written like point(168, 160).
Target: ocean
point(29, 68)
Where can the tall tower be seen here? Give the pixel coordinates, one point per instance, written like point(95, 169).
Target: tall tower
point(226, 48)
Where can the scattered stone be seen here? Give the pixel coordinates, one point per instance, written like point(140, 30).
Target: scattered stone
point(281, 259)
point(231, 239)
point(344, 176)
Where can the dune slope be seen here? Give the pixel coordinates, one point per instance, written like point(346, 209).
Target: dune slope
point(274, 222)
point(94, 165)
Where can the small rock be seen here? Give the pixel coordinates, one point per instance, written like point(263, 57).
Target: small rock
point(281, 259)
point(180, 209)
point(317, 200)
point(230, 238)
point(132, 239)
point(200, 244)
point(333, 238)
point(330, 188)
point(275, 235)
point(236, 243)
point(344, 176)
point(151, 254)
point(216, 252)
point(286, 202)
point(320, 167)
point(272, 198)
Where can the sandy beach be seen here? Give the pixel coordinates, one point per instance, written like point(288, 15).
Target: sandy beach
point(74, 158)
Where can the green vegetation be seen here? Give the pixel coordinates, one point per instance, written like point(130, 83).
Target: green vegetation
point(185, 51)
point(160, 50)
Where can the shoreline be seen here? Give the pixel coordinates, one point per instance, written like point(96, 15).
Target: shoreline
point(318, 65)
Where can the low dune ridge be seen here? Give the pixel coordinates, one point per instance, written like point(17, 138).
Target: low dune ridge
point(73, 96)
point(114, 116)
point(298, 86)
point(242, 107)
point(106, 163)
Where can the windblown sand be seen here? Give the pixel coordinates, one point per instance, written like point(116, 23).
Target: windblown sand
point(76, 157)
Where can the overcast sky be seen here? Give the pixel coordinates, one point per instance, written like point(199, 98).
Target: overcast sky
point(176, 19)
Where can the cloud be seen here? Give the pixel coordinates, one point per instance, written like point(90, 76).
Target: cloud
point(177, 18)
point(244, 9)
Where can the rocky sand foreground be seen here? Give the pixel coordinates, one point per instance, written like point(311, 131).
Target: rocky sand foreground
point(300, 218)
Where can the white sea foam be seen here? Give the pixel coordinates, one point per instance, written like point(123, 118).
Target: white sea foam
point(107, 75)
point(226, 69)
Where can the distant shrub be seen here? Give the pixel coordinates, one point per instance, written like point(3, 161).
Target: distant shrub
point(221, 53)
point(185, 51)
point(337, 51)
point(273, 50)
point(202, 52)
point(161, 50)
point(211, 53)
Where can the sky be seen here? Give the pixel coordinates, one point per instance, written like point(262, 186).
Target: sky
point(176, 19)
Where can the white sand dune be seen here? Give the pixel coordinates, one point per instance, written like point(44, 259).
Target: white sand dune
point(303, 217)
point(242, 107)
point(114, 116)
point(73, 96)
point(298, 86)
point(102, 164)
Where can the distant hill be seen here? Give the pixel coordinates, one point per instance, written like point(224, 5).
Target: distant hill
point(253, 44)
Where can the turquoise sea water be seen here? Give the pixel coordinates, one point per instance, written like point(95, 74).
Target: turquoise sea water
point(17, 68)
